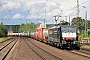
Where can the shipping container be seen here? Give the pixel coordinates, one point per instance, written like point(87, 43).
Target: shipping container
point(32, 34)
point(40, 34)
point(35, 34)
point(45, 34)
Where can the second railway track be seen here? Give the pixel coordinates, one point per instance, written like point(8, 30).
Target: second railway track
point(6, 44)
point(6, 49)
point(40, 52)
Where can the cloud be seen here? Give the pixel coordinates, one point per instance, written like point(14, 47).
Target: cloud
point(28, 4)
point(33, 17)
point(18, 16)
point(11, 5)
point(7, 16)
point(36, 9)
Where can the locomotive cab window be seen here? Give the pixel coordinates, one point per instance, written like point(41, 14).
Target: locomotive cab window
point(68, 29)
point(51, 32)
point(55, 33)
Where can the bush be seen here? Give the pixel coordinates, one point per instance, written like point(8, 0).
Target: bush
point(88, 33)
point(85, 36)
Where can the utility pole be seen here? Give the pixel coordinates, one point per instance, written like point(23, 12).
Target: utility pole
point(10, 19)
point(45, 19)
point(78, 15)
point(66, 18)
point(16, 27)
point(69, 21)
point(86, 20)
point(86, 23)
point(26, 25)
point(78, 8)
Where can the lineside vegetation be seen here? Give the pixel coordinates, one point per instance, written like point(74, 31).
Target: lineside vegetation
point(3, 30)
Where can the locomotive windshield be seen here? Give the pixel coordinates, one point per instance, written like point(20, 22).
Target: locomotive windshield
point(68, 29)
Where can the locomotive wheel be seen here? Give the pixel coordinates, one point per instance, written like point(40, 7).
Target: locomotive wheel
point(77, 48)
point(60, 46)
point(57, 45)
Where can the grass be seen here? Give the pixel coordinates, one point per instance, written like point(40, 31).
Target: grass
point(83, 36)
point(4, 39)
point(85, 46)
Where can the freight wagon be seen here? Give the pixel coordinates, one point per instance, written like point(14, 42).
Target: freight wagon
point(36, 34)
point(43, 34)
point(40, 34)
point(32, 34)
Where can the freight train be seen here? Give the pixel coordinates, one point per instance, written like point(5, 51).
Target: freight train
point(60, 36)
point(24, 34)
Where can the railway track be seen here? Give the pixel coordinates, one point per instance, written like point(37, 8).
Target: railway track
point(84, 42)
point(5, 50)
point(40, 52)
point(84, 49)
point(81, 53)
point(6, 44)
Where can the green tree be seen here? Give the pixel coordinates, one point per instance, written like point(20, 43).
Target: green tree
point(51, 25)
point(88, 33)
point(79, 22)
point(88, 24)
point(3, 30)
point(27, 27)
point(22, 28)
point(1, 33)
point(16, 28)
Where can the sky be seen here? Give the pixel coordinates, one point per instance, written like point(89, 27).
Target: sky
point(14, 12)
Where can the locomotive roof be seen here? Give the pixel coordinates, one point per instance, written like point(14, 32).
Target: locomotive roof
point(61, 26)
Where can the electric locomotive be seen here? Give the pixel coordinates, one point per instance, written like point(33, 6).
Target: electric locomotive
point(64, 37)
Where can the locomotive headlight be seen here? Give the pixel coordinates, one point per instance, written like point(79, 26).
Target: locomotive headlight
point(74, 38)
point(63, 38)
point(75, 42)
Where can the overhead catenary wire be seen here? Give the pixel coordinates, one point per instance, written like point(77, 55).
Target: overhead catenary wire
point(30, 10)
point(76, 6)
point(65, 11)
point(4, 11)
point(40, 9)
